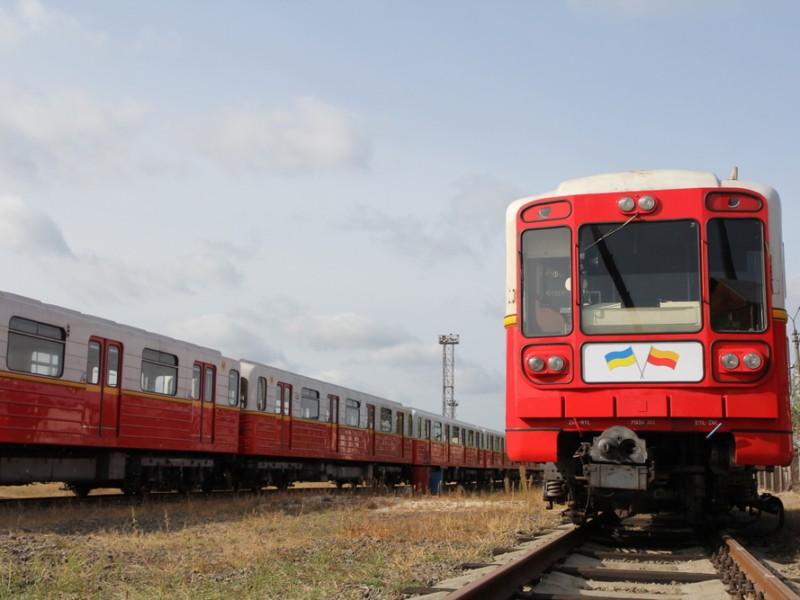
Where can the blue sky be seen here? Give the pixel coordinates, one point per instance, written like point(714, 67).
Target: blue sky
point(322, 185)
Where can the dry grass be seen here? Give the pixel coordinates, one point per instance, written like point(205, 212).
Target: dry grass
point(278, 546)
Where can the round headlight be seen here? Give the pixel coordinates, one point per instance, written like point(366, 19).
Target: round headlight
point(752, 360)
point(536, 363)
point(647, 203)
point(730, 361)
point(555, 363)
point(626, 204)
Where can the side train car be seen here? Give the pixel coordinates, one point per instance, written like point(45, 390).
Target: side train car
point(94, 403)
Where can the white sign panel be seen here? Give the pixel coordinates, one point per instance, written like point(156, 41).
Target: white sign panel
point(642, 362)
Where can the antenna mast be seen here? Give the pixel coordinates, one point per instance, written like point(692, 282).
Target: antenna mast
point(448, 343)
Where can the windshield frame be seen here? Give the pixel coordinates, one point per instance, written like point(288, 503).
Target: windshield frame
point(622, 226)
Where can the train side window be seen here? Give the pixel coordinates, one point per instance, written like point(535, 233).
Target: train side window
point(399, 423)
point(159, 372)
point(736, 274)
point(334, 413)
point(410, 424)
point(447, 433)
point(427, 429)
point(208, 390)
point(112, 366)
point(456, 439)
point(194, 390)
point(93, 363)
point(35, 347)
point(386, 419)
point(276, 405)
point(309, 403)
point(233, 387)
point(437, 431)
point(546, 282)
point(261, 400)
point(463, 437)
point(471, 438)
point(243, 391)
point(352, 413)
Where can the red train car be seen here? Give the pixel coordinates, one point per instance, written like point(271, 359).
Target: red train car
point(646, 341)
point(94, 403)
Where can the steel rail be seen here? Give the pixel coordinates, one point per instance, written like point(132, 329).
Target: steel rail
point(506, 580)
point(763, 580)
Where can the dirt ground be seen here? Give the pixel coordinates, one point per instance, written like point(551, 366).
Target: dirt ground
point(351, 545)
point(782, 550)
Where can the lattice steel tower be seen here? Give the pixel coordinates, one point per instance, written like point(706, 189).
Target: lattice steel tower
point(449, 403)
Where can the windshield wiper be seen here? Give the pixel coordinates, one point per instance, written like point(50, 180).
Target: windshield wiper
point(610, 233)
point(611, 266)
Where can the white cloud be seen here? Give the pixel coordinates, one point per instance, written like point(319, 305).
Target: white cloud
point(310, 136)
point(29, 234)
point(66, 133)
point(25, 230)
point(235, 337)
point(410, 354)
point(32, 17)
point(474, 378)
point(470, 222)
point(345, 330)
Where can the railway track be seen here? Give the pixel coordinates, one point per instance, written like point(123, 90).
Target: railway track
point(640, 559)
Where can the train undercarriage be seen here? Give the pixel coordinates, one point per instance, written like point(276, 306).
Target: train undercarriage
point(619, 473)
point(138, 473)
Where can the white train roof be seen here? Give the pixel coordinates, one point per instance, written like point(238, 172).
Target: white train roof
point(249, 366)
point(647, 180)
point(45, 310)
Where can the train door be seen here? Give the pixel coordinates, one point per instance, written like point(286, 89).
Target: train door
point(371, 429)
point(207, 402)
point(428, 436)
point(285, 391)
point(334, 417)
point(105, 371)
point(401, 416)
point(204, 381)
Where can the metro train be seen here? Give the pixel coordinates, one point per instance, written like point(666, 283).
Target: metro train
point(93, 403)
point(647, 357)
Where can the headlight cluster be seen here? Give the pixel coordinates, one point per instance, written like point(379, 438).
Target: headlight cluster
point(751, 360)
point(646, 204)
point(554, 364)
point(740, 363)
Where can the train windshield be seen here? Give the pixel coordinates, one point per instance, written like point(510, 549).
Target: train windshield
point(546, 282)
point(643, 277)
point(736, 274)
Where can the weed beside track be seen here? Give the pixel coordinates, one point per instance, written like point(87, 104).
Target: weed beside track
point(275, 546)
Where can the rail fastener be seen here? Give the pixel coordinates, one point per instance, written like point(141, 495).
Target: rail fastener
point(746, 575)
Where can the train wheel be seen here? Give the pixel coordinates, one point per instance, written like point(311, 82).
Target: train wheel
point(81, 490)
point(139, 488)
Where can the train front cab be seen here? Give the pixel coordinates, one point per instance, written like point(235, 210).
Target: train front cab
point(657, 308)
